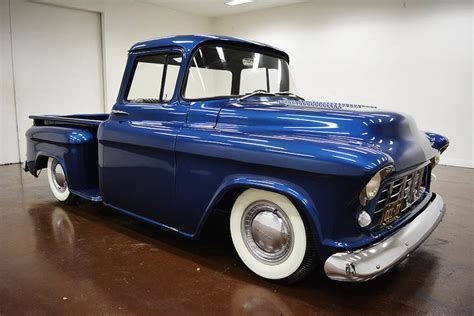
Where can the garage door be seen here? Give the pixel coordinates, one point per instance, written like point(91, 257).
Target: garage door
point(57, 62)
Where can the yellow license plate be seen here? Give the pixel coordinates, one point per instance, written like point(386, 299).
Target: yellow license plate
point(392, 212)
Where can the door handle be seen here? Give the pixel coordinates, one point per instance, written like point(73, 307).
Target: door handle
point(118, 112)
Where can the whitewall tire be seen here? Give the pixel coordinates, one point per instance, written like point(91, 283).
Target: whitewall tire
point(57, 181)
point(270, 236)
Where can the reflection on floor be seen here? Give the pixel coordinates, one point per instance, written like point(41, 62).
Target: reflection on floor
point(90, 259)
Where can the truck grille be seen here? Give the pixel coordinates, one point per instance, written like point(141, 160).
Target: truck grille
point(409, 188)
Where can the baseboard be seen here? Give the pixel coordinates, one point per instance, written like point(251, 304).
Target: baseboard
point(457, 163)
point(9, 163)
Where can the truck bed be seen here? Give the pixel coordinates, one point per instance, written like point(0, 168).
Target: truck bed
point(54, 135)
point(90, 120)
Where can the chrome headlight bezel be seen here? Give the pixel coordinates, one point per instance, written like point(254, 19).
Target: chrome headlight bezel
point(372, 187)
point(435, 160)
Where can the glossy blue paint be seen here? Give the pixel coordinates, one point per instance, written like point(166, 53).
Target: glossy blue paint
point(138, 159)
point(171, 164)
point(438, 141)
point(75, 148)
point(189, 42)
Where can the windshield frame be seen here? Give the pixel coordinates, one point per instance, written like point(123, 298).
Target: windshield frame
point(239, 46)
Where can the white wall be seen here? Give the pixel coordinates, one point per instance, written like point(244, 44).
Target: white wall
point(415, 58)
point(8, 132)
point(42, 27)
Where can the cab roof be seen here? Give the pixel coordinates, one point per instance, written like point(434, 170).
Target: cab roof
point(189, 42)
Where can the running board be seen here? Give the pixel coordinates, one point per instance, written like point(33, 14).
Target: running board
point(88, 194)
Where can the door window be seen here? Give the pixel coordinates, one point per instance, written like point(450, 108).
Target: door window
point(154, 79)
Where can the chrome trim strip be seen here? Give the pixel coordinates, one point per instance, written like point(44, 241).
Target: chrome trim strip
point(368, 263)
point(397, 185)
point(389, 194)
point(118, 112)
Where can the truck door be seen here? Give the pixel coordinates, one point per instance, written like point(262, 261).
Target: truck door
point(137, 143)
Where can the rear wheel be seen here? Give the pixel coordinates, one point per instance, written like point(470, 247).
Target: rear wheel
point(270, 236)
point(58, 183)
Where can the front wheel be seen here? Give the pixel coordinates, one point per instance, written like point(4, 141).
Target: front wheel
point(57, 182)
point(270, 236)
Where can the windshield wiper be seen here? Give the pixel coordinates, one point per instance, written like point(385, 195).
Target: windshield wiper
point(288, 93)
point(265, 92)
point(256, 92)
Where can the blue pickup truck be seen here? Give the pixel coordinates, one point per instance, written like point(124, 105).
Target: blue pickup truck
point(206, 123)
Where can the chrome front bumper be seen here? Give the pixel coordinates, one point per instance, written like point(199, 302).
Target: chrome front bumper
point(368, 263)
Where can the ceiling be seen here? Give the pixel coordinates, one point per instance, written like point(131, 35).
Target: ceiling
point(214, 8)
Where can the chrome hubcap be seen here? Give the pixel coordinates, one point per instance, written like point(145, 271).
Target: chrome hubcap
point(59, 178)
point(267, 232)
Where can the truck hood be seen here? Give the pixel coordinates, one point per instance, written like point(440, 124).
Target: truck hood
point(391, 133)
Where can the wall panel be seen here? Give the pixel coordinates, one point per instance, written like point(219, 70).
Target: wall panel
point(57, 60)
point(8, 133)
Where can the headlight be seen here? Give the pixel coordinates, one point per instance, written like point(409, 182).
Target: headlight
point(372, 188)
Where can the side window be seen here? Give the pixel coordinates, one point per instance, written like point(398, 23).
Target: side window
point(154, 79)
point(174, 63)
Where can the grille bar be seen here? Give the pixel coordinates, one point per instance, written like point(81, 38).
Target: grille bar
point(409, 188)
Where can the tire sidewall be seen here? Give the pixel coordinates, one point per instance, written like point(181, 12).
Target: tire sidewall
point(61, 196)
point(294, 260)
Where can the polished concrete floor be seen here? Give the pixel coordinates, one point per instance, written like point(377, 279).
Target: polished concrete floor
point(88, 259)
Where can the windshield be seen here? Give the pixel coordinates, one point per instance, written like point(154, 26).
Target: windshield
point(223, 71)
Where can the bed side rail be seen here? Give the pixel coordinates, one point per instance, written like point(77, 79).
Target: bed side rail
point(41, 120)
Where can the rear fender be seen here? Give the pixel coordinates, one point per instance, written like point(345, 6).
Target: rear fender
point(41, 162)
point(75, 149)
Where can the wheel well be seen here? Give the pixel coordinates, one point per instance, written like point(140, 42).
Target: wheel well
point(227, 201)
point(41, 162)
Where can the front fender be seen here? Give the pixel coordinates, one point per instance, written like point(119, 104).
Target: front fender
point(295, 193)
point(437, 141)
point(317, 155)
